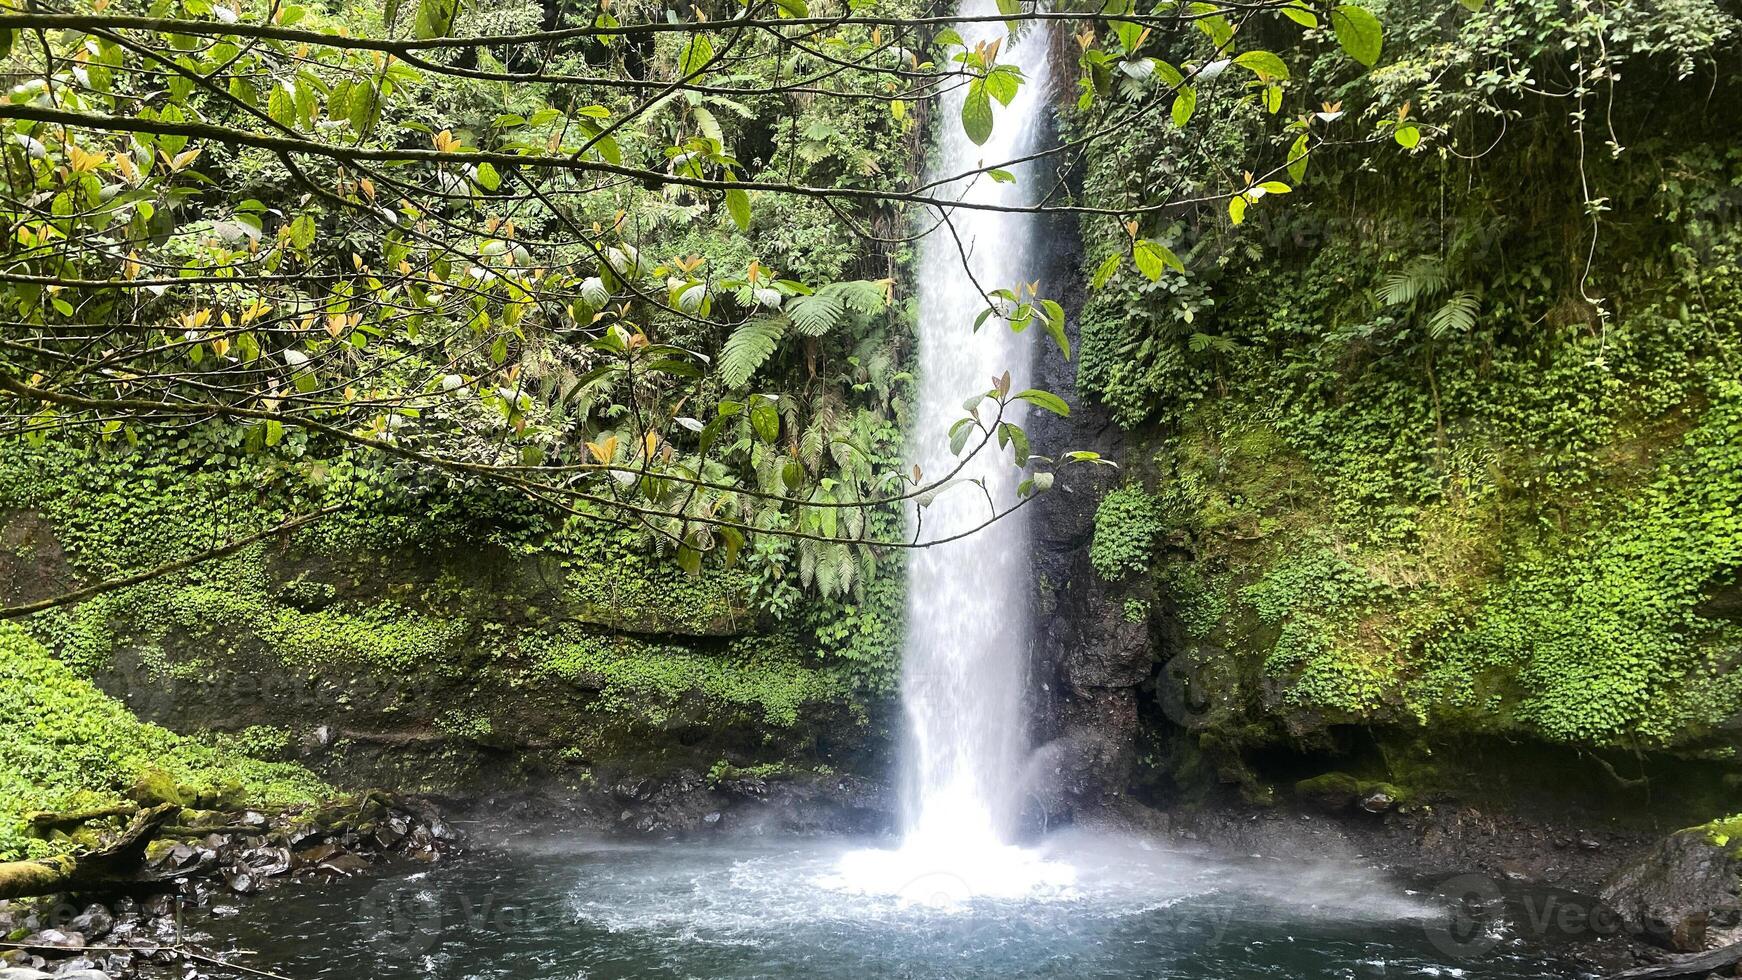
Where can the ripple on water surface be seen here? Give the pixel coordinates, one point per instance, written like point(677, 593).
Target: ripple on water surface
point(557, 909)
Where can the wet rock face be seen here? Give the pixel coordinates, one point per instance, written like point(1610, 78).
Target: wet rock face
point(1089, 657)
point(685, 802)
point(1676, 891)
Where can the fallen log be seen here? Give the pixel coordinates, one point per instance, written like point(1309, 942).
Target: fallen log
point(117, 867)
point(1691, 965)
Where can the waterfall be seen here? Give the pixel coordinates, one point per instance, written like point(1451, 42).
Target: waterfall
point(967, 608)
point(968, 624)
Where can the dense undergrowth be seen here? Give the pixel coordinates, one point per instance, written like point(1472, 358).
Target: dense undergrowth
point(474, 591)
point(68, 746)
point(1411, 447)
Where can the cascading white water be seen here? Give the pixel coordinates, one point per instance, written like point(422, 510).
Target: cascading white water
point(967, 611)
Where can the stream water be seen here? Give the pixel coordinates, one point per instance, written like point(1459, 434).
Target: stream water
point(553, 908)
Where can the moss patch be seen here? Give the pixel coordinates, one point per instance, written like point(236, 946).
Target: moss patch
point(66, 745)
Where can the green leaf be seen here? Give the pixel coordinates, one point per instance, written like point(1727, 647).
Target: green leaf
point(765, 419)
point(1151, 258)
point(487, 177)
point(1109, 266)
point(1407, 136)
point(302, 232)
point(1002, 83)
point(696, 55)
point(1301, 14)
point(689, 559)
point(793, 8)
point(959, 434)
point(1265, 65)
point(1185, 102)
point(977, 114)
point(1018, 440)
point(364, 107)
point(435, 18)
point(1237, 208)
point(389, 12)
point(1297, 159)
point(738, 206)
point(1359, 33)
point(1472, 5)
point(792, 474)
point(281, 106)
point(1001, 176)
point(1046, 400)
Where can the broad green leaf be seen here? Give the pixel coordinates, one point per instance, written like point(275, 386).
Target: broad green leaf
point(1046, 400)
point(765, 419)
point(487, 177)
point(1151, 258)
point(689, 559)
point(1407, 136)
point(1237, 208)
point(1297, 159)
point(959, 434)
point(1359, 33)
point(302, 232)
point(1109, 266)
point(435, 18)
point(1265, 65)
point(1301, 14)
point(696, 55)
point(1002, 83)
point(977, 114)
point(738, 206)
point(1017, 439)
point(1185, 102)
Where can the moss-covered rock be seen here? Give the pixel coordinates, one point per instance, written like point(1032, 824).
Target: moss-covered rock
point(153, 787)
point(65, 745)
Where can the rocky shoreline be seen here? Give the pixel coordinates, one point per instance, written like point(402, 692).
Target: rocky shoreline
point(210, 861)
point(1609, 899)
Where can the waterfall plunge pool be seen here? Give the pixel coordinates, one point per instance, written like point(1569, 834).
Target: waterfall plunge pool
point(549, 907)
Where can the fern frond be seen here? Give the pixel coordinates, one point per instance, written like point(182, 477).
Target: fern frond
point(748, 347)
point(1423, 277)
point(1457, 315)
point(865, 296)
point(816, 314)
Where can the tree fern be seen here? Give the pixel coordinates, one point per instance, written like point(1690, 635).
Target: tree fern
point(832, 305)
point(749, 346)
point(816, 314)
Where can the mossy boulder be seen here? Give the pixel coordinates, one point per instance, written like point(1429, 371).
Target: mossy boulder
point(1332, 791)
point(153, 787)
point(1335, 792)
